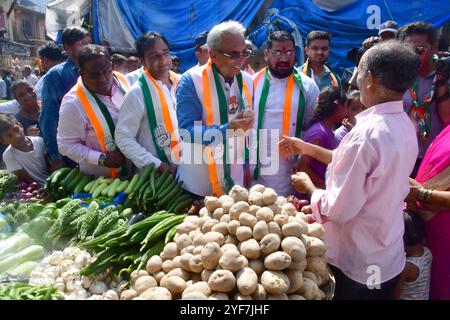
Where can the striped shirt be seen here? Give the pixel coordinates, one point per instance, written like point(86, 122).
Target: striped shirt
point(419, 289)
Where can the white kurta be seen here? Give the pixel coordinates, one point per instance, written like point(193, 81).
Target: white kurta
point(275, 172)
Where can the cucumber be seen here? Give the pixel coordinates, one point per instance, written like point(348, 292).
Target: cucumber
point(96, 184)
point(122, 186)
point(113, 188)
point(72, 174)
point(132, 184)
point(145, 174)
point(88, 187)
point(84, 181)
point(105, 191)
point(59, 174)
point(98, 190)
point(71, 186)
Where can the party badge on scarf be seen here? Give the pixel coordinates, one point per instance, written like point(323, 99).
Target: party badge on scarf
point(162, 136)
point(233, 106)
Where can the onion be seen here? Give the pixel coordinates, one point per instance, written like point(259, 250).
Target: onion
point(35, 186)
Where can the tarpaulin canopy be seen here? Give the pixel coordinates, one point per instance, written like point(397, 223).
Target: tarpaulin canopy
point(119, 22)
point(349, 25)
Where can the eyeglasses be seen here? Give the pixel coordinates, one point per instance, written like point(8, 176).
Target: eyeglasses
point(421, 49)
point(234, 55)
point(279, 53)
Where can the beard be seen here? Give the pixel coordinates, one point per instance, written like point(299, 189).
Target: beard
point(280, 73)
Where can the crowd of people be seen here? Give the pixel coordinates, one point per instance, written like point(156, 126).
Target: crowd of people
point(372, 156)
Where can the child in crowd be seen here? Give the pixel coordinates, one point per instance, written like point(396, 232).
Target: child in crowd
point(28, 116)
point(414, 283)
point(331, 109)
point(354, 107)
point(25, 156)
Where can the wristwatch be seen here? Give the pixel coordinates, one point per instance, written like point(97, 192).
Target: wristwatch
point(102, 159)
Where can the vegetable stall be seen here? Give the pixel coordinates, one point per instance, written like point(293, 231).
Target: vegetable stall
point(80, 237)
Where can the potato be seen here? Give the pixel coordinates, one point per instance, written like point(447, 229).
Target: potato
point(194, 233)
point(240, 297)
point(269, 196)
point(212, 203)
point(274, 228)
point(167, 266)
point(281, 219)
point(237, 209)
point(277, 261)
point(218, 214)
point(176, 262)
point(281, 200)
point(229, 239)
point(183, 241)
point(188, 249)
point(257, 188)
point(282, 296)
point(200, 286)
point(244, 233)
point(210, 255)
point(219, 296)
point(170, 250)
point(254, 209)
point(176, 285)
point(232, 260)
point(256, 198)
point(143, 283)
point(264, 214)
point(260, 230)
point(310, 275)
point(306, 241)
point(158, 276)
point(248, 220)
point(221, 227)
point(202, 221)
point(228, 246)
point(156, 293)
point(294, 247)
point(206, 274)
point(196, 264)
point(288, 209)
point(296, 297)
point(294, 229)
point(298, 265)
point(214, 236)
point(222, 281)
point(301, 216)
point(226, 203)
point(275, 282)
point(316, 230)
point(238, 193)
point(184, 261)
point(154, 264)
point(196, 277)
point(276, 209)
point(316, 248)
point(185, 227)
point(199, 240)
point(317, 265)
point(204, 212)
point(309, 289)
point(179, 272)
point(128, 294)
point(232, 226)
point(259, 293)
point(163, 282)
point(246, 281)
point(163, 256)
point(207, 226)
point(197, 250)
point(250, 249)
point(270, 243)
point(295, 279)
point(257, 266)
point(225, 218)
point(194, 296)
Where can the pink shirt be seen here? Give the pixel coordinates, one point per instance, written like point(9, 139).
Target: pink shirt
point(76, 136)
point(366, 183)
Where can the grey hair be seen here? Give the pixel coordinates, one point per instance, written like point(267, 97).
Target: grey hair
point(394, 64)
point(214, 39)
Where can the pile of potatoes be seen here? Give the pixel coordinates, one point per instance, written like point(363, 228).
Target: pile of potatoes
point(242, 246)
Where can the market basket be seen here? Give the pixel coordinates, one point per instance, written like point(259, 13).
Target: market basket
point(330, 287)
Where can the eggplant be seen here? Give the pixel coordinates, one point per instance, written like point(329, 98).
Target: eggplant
point(136, 218)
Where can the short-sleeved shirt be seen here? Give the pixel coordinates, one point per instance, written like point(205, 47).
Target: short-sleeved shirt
point(319, 131)
point(33, 162)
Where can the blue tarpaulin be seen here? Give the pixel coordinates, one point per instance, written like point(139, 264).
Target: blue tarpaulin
point(179, 21)
point(351, 24)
